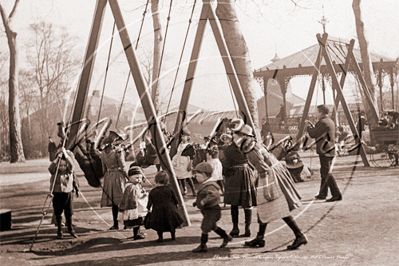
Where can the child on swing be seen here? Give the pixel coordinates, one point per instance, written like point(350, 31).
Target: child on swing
point(132, 207)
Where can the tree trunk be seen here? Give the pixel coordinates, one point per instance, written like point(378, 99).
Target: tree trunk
point(16, 149)
point(239, 52)
point(368, 72)
point(158, 44)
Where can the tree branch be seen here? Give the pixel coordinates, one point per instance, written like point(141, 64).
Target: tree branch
point(13, 10)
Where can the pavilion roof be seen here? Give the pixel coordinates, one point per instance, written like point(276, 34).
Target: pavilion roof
point(301, 63)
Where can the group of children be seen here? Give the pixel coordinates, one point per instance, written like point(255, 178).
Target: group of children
point(157, 210)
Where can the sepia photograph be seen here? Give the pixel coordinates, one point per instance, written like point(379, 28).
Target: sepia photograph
point(209, 132)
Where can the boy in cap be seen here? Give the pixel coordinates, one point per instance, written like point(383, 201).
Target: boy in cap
point(207, 201)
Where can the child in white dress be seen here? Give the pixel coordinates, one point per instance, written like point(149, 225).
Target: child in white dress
point(212, 157)
point(133, 206)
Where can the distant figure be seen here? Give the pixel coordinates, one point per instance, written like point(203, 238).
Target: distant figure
point(212, 158)
point(52, 149)
point(324, 133)
point(182, 162)
point(361, 125)
point(266, 134)
point(281, 115)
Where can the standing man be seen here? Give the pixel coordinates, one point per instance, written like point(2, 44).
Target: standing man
point(324, 133)
point(361, 125)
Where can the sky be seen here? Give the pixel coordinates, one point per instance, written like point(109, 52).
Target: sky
point(268, 26)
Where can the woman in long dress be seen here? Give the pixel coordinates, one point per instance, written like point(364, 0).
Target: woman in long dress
point(115, 176)
point(239, 187)
point(276, 193)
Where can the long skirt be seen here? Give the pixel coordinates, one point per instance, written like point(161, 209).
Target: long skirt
point(270, 210)
point(113, 188)
point(239, 188)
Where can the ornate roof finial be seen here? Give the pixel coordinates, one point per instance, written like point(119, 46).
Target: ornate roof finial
point(323, 21)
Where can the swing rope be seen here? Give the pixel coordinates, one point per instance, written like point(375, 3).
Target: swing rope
point(123, 98)
point(181, 57)
point(142, 23)
point(232, 97)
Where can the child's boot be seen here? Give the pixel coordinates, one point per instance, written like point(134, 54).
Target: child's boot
point(173, 234)
point(226, 237)
point(234, 217)
point(160, 236)
point(202, 247)
point(70, 227)
point(136, 233)
point(58, 221)
point(248, 219)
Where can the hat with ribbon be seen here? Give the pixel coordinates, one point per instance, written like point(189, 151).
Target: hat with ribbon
point(134, 170)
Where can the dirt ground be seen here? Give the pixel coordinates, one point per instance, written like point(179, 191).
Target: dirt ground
point(360, 230)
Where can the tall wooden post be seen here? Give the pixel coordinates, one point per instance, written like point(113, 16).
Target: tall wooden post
point(341, 96)
point(192, 67)
point(147, 104)
point(85, 77)
point(392, 83)
point(311, 90)
point(208, 13)
point(380, 85)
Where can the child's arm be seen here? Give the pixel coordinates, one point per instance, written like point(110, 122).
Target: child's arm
point(211, 197)
point(149, 204)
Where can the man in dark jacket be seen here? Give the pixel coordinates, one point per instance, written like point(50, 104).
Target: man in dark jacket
point(324, 133)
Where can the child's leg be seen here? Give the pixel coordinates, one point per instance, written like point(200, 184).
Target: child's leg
point(183, 185)
point(173, 234)
point(160, 236)
point(115, 217)
point(222, 234)
point(68, 215)
point(191, 184)
point(202, 247)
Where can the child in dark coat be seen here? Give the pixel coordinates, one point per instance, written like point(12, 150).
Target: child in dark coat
point(208, 200)
point(133, 205)
point(164, 215)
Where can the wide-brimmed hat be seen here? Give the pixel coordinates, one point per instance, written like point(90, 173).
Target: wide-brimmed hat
point(236, 124)
point(246, 130)
point(118, 133)
point(293, 160)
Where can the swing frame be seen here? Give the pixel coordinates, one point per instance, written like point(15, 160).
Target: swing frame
point(207, 13)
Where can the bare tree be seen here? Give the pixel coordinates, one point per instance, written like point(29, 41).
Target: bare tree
point(16, 149)
point(27, 97)
point(53, 66)
point(158, 44)
point(239, 52)
point(366, 62)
